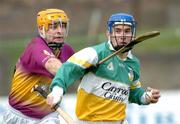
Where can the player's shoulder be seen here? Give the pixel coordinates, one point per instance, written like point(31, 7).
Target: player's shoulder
point(85, 57)
point(88, 51)
point(38, 40)
point(37, 44)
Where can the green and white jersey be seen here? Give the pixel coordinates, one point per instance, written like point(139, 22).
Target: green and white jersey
point(105, 89)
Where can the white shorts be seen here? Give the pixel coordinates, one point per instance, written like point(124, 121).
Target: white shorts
point(12, 116)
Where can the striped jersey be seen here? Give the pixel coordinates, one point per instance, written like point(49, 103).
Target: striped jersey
point(105, 89)
point(30, 71)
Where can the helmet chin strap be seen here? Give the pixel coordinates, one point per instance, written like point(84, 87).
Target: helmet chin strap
point(55, 45)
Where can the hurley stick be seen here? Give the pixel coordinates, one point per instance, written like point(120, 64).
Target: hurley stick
point(62, 113)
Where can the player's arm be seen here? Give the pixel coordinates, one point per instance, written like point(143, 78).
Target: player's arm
point(52, 65)
point(71, 71)
point(136, 91)
point(138, 94)
point(75, 67)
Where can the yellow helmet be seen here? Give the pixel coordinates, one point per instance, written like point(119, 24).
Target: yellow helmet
point(48, 16)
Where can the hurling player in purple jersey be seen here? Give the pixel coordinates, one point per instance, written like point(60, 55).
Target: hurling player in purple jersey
point(37, 65)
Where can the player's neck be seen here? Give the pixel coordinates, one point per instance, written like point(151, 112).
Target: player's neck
point(123, 56)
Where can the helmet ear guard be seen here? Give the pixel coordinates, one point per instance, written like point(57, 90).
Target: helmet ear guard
point(41, 31)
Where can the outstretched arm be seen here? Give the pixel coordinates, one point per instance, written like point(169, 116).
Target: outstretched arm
point(71, 71)
point(140, 96)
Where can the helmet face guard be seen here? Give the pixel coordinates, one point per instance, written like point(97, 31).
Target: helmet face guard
point(121, 19)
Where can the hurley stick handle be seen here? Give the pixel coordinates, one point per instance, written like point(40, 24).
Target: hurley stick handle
point(62, 113)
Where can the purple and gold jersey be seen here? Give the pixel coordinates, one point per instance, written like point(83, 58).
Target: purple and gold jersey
point(30, 70)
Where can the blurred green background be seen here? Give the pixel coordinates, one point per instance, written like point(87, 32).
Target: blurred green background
point(160, 56)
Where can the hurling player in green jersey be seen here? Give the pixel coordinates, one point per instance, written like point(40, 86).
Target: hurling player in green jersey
point(105, 89)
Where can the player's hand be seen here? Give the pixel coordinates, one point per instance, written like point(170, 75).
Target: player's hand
point(55, 96)
point(152, 95)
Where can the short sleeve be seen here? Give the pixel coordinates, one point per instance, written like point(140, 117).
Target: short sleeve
point(35, 56)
